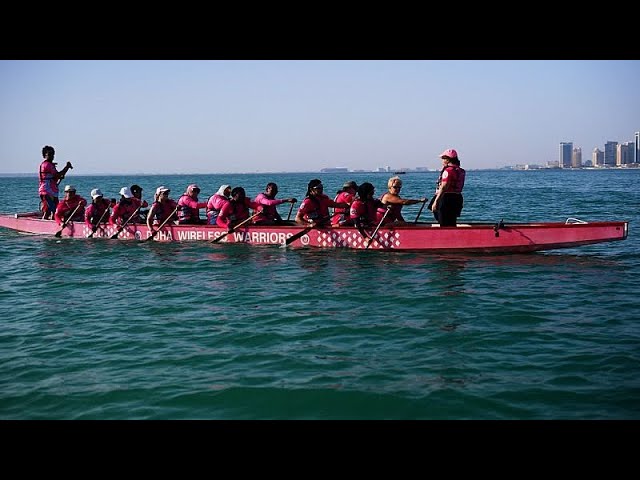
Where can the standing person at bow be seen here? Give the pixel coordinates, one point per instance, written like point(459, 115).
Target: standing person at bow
point(393, 198)
point(266, 206)
point(315, 206)
point(162, 207)
point(216, 202)
point(67, 206)
point(125, 209)
point(236, 210)
point(98, 210)
point(448, 201)
point(347, 195)
point(189, 207)
point(49, 179)
point(136, 190)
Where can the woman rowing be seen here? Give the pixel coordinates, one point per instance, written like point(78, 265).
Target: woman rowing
point(364, 209)
point(68, 206)
point(393, 198)
point(315, 206)
point(161, 208)
point(98, 210)
point(346, 195)
point(126, 208)
point(189, 207)
point(236, 210)
point(216, 202)
point(267, 213)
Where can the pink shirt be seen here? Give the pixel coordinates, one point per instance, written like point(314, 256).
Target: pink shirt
point(48, 182)
point(266, 208)
point(315, 208)
point(190, 208)
point(214, 206)
point(94, 212)
point(65, 207)
point(453, 175)
point(233, 213)
point(123, 210)
point(365, 211)
point(341, 213)
point(162, 210)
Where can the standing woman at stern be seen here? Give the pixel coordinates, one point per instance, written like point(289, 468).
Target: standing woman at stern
point(448, 201)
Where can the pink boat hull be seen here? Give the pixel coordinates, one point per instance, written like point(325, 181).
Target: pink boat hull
point(482, 238)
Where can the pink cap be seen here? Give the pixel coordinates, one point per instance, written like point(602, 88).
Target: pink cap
point(192, 187)
point(450, 152)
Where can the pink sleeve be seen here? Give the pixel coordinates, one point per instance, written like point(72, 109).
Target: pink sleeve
point(87, 215)
point(306, 206)
point(254, 205)
point(263, 200)
point(223, 217)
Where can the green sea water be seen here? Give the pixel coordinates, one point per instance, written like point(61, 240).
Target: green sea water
point(108, 329)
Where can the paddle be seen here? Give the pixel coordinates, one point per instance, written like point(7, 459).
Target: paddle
point(368, 241)
point(420, 211)
point(59, 232)
point(216, 240)
point(290, 210)
point(95, 227)
point(301, 233)
point(63, 172)
point(121, 227)
point(155, 232)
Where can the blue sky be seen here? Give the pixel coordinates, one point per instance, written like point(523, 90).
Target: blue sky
point(236, 116)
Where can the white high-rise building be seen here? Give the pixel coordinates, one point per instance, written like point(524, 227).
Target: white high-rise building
point(636, 156)
point(624, 153)
point(597, 157)
point(576, 158)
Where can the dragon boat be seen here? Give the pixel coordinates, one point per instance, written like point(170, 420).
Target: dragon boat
point(499, 237)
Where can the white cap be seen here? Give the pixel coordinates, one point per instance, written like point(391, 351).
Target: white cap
point(126, 192)
point(69, 188)
point(95, 193)
point(161, 189)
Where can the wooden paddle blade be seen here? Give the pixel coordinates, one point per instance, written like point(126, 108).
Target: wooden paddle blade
point(296, 236)
point(217, 239)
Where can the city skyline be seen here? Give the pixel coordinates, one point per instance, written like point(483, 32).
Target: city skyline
point(148, 117)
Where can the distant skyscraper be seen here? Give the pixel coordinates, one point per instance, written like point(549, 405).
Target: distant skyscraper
point(597, 157)
point(566, 151)
point(576, 158)
point(610, 153)
point(624, 153)
point(636, 156)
